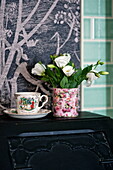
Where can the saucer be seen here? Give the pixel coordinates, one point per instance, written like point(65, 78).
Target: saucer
point(13, 113)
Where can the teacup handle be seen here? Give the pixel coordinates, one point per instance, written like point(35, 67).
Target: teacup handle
point(46, 100)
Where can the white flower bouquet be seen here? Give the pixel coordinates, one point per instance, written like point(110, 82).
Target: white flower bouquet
point(62, 73)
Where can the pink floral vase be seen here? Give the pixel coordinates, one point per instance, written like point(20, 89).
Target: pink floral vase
point(65, 102)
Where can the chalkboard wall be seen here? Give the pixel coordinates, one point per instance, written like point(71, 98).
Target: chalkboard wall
point(30, 31)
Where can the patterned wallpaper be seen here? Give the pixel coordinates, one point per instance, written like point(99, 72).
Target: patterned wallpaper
point(31, 31)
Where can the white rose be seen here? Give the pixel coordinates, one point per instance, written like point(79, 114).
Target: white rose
point(91, 77)
point(68, 70)
point(39, 69)
point(62, 61)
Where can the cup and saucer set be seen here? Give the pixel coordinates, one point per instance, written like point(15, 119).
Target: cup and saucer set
point(28, 106)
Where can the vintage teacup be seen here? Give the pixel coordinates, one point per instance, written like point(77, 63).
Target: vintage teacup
point(28, 102)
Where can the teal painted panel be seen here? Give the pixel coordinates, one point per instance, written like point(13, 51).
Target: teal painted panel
point(109, 78)
point(105, 79)
point(98, 7)
point(96, 97)
point(112, 96)
point(86, 28)
point(104, 28)
point(94, 51)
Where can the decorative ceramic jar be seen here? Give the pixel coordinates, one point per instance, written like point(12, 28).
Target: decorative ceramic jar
point(65, 102)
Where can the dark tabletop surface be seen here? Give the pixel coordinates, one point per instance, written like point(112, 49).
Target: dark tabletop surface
point(83, 115)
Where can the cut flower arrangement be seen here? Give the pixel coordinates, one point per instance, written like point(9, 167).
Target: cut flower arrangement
point(62, 73)
point(65, 77)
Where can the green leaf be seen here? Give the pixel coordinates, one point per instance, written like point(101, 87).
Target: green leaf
point(87, 69)
point(64, 82)
point(51, 74)
point(77, 74)
point(58, 73)
point(73, 84)
point(45, 79)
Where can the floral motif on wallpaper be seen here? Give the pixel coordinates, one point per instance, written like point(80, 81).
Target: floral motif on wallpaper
point(30, 31)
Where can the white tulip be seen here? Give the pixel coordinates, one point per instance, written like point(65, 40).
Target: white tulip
point(62, 61)
point(39, 69)
point(68, 70)
point(91, 77)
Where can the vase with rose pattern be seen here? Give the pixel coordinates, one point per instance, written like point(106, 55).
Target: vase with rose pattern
point(65, 102)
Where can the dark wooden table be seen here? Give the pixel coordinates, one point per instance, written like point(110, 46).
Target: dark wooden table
point(81, 143)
